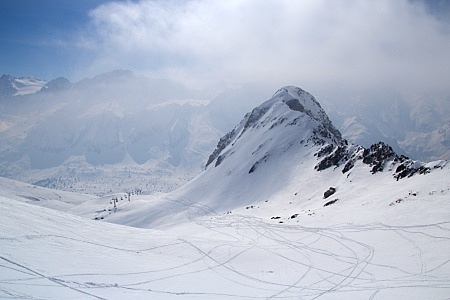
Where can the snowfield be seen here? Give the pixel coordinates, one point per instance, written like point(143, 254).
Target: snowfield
point(382, 239)
point(285, 209)
point(360, 248)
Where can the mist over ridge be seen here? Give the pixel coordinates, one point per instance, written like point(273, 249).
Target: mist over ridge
point(124, 119)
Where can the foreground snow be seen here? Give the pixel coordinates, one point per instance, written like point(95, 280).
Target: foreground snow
point(366, 247)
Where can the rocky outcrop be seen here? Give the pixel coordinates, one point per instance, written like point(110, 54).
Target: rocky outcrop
point(377, 156)
point(329, 192)
point(223, 142)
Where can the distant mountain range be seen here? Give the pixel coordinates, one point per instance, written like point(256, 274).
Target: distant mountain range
point(84, 136)
point(12, 86)
point(285, 155)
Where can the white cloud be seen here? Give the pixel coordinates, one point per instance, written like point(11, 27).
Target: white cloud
point(309, 43)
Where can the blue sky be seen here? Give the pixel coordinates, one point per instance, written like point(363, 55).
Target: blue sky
point(31, 32)
point(401, 44)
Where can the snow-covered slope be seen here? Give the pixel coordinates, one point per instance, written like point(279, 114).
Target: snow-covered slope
point(285, 209)
point(287, 140)
point(350, 250)
point(285, 148)
point(54, 199)
point(13, 86)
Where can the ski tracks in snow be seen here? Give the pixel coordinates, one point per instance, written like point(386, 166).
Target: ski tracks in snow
point(230, 256)
point(340, 260)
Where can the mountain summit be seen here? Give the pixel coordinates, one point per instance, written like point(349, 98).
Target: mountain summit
point(292, 114)
point(292, 106)
point(286, 144)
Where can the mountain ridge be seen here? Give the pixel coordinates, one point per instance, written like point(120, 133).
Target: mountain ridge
point(120, 116)
point(279, 149)
point(294, 98)
point(335, 150)
point(19, 86)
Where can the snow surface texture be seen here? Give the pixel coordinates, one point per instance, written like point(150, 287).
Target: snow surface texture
point(283, 230)
point(392, 242)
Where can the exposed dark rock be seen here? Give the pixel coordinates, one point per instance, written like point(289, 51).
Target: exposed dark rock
point(400, 200)
point(377, 155)
point(294, 104)
point(348, 166)
point(329, 192)
point(222, 144)
point(219, 160)
point(357, 154)
point(279, 122)
point(255, 115)
point(331, 202)
point(325, 150)
point(406, 169)
point(339, 154)
point(255, 165)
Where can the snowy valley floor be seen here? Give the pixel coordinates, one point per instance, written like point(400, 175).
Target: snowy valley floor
point(47, 254)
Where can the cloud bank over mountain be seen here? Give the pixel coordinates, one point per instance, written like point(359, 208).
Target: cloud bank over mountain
point(356, 44)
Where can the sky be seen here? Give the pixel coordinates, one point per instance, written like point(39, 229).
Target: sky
point(401, 44)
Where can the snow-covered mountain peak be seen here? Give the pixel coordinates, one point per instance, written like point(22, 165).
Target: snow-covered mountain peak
point(300, 100)
point(57, 84)
point(292, 115)
point(287, 139)
point(13, 86)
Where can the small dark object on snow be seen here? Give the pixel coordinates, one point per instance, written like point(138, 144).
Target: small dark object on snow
point(294, 216)
point(275, 218)
point(331, 202)
point(329, 192)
